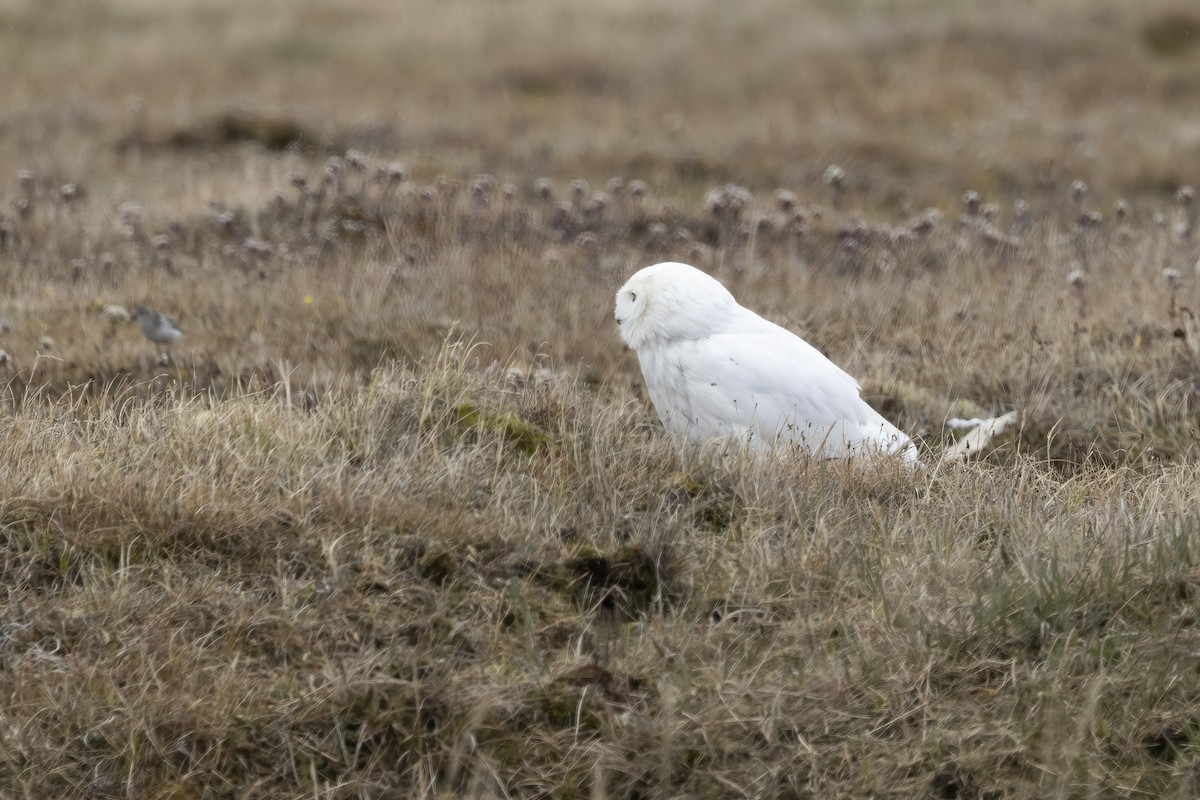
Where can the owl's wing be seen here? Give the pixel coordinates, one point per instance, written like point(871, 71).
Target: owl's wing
point(768, 385)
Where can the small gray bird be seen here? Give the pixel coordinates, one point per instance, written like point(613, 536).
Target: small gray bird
point(157, 328)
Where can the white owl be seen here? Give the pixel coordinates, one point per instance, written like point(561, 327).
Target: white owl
point(716, 370)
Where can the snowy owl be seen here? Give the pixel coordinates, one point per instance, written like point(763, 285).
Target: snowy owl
point(716, 370)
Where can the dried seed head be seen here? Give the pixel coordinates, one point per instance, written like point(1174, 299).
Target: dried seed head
point(596, 204)
point(785, 200)
point(46, 343)
point(615, 186)
point(971, 202)
point(1121, 210)
point(161, 242)
point(69, 192)
point(835, 178)
point(1079, 190)
point(1091, 219)
point(579, 190)
point(637, 187)
point(1076, 278)
point(544, 189)
point(996, 238)
point(1172, 277)
point(356, 160)
point(727, 201)
point(834, 175)
point(5, 358)
point(299, 181)
point(657, 234)
point(990, 211)
point(563, 213)
point(481, 189)
point(260, 249)
point(714, 201)
point(130, 214)
point(1185, 196)
point(223, 220)
point(25, 179)
point(396, 172)
point(509, 192)
point(116, 313)
point(925, 222)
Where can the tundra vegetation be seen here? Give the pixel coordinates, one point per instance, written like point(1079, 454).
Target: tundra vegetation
point(395, 518)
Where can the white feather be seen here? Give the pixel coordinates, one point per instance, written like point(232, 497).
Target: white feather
point(980, 438)
point(716, 370)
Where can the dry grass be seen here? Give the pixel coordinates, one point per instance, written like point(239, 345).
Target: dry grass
point(396, 519)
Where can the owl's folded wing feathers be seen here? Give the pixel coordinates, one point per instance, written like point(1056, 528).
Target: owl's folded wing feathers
point(763, 384)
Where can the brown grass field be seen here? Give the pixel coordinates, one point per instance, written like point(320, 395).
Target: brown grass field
point(396, 519)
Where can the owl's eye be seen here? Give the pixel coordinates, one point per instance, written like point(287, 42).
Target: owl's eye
point(633, 296)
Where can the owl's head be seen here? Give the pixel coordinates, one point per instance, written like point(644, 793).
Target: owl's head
point(669, 302)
